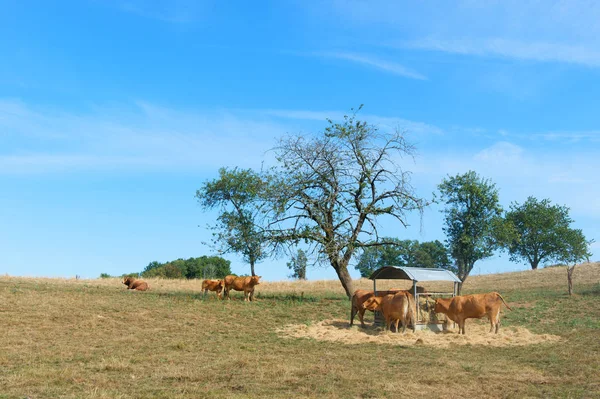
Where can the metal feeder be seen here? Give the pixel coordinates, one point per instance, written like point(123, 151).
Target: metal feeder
point(415, 274)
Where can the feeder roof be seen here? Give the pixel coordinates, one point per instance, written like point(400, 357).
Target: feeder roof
point(413, 273)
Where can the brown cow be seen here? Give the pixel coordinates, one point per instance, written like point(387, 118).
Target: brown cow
point(360, 296)
point(460, 308)
point(134, 284)
point(395, 307)
point(213, 285)
point(245, 284)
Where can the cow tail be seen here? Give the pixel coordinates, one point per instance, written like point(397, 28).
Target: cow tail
point(504, 302)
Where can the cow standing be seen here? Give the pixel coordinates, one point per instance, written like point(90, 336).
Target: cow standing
point(460, 308)
point(245, 284)
point(212, 285)
point(395, 308)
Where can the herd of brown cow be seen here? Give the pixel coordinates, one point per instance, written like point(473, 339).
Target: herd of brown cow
point(221, 287)
point(399, 305)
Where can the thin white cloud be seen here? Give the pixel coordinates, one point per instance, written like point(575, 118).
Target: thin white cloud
point(516, 49)
point(387, 66)
point(147, 136)
point(37, 140)
point(500, 153)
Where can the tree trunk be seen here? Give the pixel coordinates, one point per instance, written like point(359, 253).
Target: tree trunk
point(570, 278)
point(345, 279)
point(252, 267)
point(459, 288)
point(534, 264)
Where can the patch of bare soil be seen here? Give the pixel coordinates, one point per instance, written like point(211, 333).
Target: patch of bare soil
point(477, 334)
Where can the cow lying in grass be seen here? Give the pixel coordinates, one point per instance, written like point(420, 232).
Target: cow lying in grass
point(135, 284)
point(245, 284)
point(213, 285)
point(460, 308)
point(398, 307)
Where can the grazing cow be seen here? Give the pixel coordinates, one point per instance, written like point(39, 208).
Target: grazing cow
point(395, 307)
point(213, 285)
point(460, 308)
point(360, 296)
point(245, 284)
point(358, 299)
point(134, 284)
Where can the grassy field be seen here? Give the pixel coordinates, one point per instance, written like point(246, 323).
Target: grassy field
point(92, 338)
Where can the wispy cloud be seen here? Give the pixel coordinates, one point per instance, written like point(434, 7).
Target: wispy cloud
point(34, 140)
point(143, 136)
point(516, 49)
point(387, 66)
point(500, 153)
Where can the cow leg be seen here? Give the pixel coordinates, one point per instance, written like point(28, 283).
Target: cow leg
point(498, 320)
point(492, 321)
point(461, 326)
point(361, 316)
point(396, 322)
point(352, 314)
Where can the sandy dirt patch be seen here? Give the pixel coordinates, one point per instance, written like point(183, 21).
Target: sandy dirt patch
point(477, 334)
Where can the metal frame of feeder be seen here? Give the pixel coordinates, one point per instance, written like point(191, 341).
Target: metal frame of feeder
point(415, 274)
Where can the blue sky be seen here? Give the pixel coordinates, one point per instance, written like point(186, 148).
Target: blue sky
point(113, 113)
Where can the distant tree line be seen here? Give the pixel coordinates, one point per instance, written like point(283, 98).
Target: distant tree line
point(203, 267)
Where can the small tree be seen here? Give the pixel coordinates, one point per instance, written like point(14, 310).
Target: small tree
point(575, 250)
point(543, 233)
point(236, 193)
point(298, 265)
point(472, 219)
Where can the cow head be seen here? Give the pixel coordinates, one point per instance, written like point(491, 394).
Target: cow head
point(128, 281)
point(254, 280)
point(441, 305)
point(373, 303)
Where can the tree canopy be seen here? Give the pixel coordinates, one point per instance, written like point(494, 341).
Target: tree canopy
point(236, 193)
point(473, 219)
point(330, 189)
point(544, 234)
point(298, 265)
point(431, 254)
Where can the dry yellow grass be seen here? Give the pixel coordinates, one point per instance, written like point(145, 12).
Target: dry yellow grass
point(340, 331)
point(92, 338)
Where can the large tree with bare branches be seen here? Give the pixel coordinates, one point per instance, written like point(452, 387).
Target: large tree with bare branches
point(330, 190)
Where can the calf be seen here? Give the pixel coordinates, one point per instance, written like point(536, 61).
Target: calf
point(245, 284)
point(460, 308)
point(134, 284)
point(395, 307)
point(213, 285)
